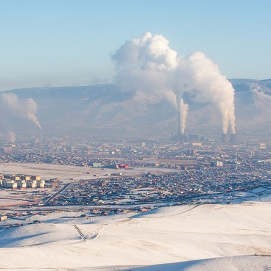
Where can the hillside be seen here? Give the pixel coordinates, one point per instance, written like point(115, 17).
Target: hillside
point(227, 237)
point(101, 109)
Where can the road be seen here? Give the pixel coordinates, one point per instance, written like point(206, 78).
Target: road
point(66, 186)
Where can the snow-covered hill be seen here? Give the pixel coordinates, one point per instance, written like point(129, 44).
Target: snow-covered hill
point(101, 109)
point(172, 238)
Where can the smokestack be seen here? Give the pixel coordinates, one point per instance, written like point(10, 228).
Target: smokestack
point(224, 138)
point(148, 66)
point(233, 139)
point(179, 124)
point(182, 110)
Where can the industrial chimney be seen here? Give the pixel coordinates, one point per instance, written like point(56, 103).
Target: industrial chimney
point(224, 138)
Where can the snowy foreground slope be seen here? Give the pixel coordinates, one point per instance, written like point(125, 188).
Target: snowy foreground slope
point(172, 238)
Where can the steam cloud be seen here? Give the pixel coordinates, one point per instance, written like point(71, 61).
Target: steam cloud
point(183, 110)
point(26, 108)
point(11, 136)
point(148, 66)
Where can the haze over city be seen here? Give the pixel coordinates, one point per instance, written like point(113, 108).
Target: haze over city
point(135, 135)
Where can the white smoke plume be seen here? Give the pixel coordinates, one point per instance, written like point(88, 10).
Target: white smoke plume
point(26, 108)
point(143, 65)
point(147, 65)
point(209, 86)
point(183, 110)
point(11, 136)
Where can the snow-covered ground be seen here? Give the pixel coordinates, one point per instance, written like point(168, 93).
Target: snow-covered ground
point(191, 237)
point(170, 238)
point(65, 172)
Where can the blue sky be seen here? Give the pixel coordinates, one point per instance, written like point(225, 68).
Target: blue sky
point(69, 42)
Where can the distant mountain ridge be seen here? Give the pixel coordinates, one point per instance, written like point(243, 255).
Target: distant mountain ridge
point(105, 109)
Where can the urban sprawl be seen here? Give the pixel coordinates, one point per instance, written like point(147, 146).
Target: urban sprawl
point(195, 170)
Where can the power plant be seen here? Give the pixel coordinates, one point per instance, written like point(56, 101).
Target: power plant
point(232, 140)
